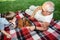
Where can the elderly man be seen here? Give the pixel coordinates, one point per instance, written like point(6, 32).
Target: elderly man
point(43, 14)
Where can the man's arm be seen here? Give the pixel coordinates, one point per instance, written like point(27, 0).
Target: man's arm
point(44, 26)
point(39, 8)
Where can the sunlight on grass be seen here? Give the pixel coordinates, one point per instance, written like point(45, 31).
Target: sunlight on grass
point(6, 0)
point(15, 5)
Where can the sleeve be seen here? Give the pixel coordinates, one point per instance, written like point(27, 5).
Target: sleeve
point(32, 7)
point(1, 26)
point(3, 21)
point(28, 11)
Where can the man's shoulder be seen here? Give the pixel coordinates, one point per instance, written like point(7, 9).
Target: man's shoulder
point(39, 7)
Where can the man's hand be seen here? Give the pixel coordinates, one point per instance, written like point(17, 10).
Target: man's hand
point(31, 28)
point(31, 18)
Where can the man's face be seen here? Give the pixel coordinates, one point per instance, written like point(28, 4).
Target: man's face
point(48, 8)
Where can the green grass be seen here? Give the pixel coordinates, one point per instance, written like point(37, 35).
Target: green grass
point(16, 5)
point(6, 0)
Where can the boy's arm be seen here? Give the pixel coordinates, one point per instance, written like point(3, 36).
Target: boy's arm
point(7, 34)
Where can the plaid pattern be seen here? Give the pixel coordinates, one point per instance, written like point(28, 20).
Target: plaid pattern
point(53, 33)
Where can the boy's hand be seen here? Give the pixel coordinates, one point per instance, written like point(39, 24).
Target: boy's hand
point(8, 36)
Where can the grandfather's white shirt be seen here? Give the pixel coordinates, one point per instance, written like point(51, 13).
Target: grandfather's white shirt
point(43, 18)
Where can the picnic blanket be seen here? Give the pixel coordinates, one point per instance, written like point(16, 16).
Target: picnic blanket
point(53, 32)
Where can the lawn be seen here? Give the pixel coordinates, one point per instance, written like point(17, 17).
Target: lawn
point(16, 5)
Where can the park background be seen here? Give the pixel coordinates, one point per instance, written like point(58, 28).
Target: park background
point(15, 5)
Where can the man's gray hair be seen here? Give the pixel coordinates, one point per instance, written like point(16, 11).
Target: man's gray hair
point(49, 2)
point(47, 6)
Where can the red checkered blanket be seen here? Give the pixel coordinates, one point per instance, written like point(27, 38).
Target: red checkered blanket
point(53, 32)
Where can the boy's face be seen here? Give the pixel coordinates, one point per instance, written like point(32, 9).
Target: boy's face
point(14, 19)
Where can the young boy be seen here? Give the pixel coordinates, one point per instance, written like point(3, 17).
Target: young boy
point(8, 21)
point(11, 17)
point(3, 24)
